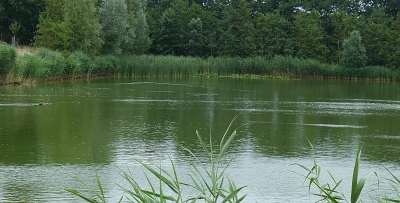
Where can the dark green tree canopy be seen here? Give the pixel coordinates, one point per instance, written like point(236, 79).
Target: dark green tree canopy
point(305, 29)
point(25, 13)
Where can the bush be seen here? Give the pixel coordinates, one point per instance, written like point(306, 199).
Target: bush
point(107, 64)
point(7, 59)
point(56, 63)
point(78, 63)
point(32, 67)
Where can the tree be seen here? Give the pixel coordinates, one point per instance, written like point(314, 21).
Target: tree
point(115, 27)
point(25, 13)
point(354, 54)
point(70, 25)
point(309, 36)
point(195, 44)
point(339, 26)
point(394, 54)
point(138, 21)
point(237, 37)
point(2, 18)
point(377, 37)
point(53, 32)
point(14, 29)
point(83, 19)
point(273, 35)
point(171, 35)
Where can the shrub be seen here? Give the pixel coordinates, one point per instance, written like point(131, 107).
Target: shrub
point(107, 64)
point(78, 63)
point(56, 63)
point(32, 67)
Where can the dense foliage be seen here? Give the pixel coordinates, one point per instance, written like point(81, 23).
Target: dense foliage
point(7, 59)
point(315, 30)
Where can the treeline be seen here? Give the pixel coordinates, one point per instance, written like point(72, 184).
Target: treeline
point(310, 29)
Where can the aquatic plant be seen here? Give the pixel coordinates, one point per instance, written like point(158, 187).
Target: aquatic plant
point(78, 63)
point(331, 192)
point(56, 63)
point(7, 59)
point(208, 179)
point(31, 67)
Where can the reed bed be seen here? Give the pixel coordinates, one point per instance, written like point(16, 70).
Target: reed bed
point(44, 64)
point(7, 59)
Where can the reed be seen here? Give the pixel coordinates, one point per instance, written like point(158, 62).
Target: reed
point(105, 65)
point(31, 68)
point(149, 65)
point(208, 179)
point(22, 50)
point(56, 63)
point(395, 183)
point(7, 59)
point(331, 192)
point(78, 63)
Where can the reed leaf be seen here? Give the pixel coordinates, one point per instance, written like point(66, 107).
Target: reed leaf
point(83, 196)
point(357, 185)
point(99, 195)
point(161, 178)
point(395, 185)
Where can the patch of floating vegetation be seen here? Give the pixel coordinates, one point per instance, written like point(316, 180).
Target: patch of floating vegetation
point(26, 104)
point(250, 76)
point(261, 76)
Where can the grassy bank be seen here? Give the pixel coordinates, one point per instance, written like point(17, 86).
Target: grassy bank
point(31, 65)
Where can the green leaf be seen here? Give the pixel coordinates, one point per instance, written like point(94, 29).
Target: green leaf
point(81, 195)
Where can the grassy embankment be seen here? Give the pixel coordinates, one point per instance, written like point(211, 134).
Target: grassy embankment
point(31, 65)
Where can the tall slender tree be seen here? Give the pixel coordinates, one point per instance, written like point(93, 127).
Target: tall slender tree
point(137, 20)
point(116, 29)
point(354, 54)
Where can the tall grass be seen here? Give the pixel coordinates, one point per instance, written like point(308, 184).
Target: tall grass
point(7, 60)
point(79, 63)
point(208, 179)
point(76, 64)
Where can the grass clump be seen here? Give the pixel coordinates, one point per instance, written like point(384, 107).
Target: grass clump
point(208, 179)
point(332, 193)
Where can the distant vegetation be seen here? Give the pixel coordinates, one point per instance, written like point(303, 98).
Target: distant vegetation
point(301, 29)
point(329, 39)
point(44, 64)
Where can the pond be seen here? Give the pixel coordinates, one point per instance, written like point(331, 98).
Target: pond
point(51, 133)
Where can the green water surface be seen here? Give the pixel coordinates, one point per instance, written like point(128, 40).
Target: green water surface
point(50, 133)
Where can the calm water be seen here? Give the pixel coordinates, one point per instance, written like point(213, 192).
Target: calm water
point(50, 133)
